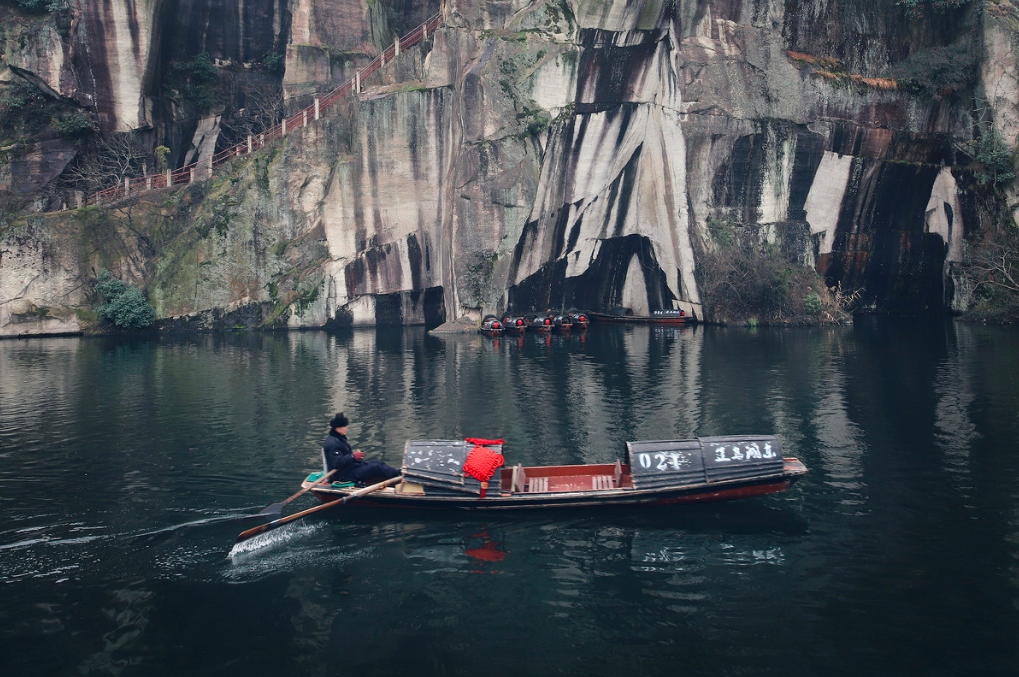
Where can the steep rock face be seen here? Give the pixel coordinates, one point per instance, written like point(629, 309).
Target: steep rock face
point(113, 52)
point(40, 283)
point(549, 154)
point(121, 50)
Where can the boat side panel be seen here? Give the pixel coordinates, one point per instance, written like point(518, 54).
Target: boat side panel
point(617, 497)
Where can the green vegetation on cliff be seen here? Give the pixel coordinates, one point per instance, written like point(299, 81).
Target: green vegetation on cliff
point(744, 280)
point(123, 305)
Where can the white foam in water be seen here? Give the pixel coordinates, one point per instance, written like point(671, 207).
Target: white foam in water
point(261, 555)
point(268, 540)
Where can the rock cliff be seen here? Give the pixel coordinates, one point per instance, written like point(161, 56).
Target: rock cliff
point(526, 155)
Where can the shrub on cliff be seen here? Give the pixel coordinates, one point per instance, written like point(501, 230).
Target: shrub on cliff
point(998, 167)
point(40, 6)
point(743, 279)
point(937, 72)
point(122, 304)
point(991, 272)
point(195, 83)
point(920, 8)
point(24, 109)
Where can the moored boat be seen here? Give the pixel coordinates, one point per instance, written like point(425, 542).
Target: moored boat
point(514, 324)
point(539, 323)
point(621, 314)
point(491, 326)
point(579, 318)
point(562, 322)
point(659, 472)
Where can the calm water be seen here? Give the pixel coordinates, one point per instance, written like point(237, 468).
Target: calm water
point(127, 468)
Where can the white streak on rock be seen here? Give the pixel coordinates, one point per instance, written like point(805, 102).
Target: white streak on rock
point(824, 200)
point(775, 184)
point(634, 293)
point(1000, 77)
point(945, 197)
point(128, 60)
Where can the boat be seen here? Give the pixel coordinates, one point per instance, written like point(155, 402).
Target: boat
point(658, 472)
point(491, 326)
point(562, 322)
point(514, 324)
point(579, 318)
point(622, 314)
point(539, 323)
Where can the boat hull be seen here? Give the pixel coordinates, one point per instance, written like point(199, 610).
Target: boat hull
point(639, 319)
point(570, 497)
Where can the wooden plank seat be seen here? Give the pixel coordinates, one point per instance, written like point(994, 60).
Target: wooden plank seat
point(537, 485)
point(565, 481)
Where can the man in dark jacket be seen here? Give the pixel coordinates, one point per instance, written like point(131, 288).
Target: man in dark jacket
point(349, 464)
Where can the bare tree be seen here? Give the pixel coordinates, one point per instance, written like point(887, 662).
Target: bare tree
point(106, 160)
point(995, 265)
point(265, 108)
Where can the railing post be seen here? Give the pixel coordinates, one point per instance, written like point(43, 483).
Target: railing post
point(424, 31)
point(78, 197)
point(305, 111)
point(396, 51)
point(148, 183)
point(249, 144)
point(191, 175)
point(383, 57)
point(210, 166)
point(318, 109)
point(357, 81)
point(127, 186)
point(284, 132)
point(169, 178)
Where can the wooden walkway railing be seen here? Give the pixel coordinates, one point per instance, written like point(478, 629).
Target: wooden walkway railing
point(199, 171)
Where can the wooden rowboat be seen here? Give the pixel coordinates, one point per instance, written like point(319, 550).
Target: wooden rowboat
point(625, 315)
point(660, 472)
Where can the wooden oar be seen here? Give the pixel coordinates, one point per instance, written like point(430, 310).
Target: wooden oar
point(275, 508)
point(245, 535)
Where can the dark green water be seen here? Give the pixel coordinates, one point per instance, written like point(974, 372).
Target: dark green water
point(127, 467)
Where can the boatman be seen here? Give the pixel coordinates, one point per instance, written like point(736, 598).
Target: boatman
point(349, 464)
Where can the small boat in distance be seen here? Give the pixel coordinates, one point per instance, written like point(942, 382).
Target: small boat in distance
point(659, 472)
point(623, 314)
point(562, 323)
point(491, 326)
point(514, 324)
point(539, 323)
point(579, 318)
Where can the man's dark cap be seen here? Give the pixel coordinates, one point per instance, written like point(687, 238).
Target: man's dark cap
point(339, 421)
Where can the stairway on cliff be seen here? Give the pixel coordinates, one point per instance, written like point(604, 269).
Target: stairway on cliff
point(197, 171)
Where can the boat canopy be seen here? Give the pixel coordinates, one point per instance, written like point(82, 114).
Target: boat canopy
point(661, 463)
point(440, 464)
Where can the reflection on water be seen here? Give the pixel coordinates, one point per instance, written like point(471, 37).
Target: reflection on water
point(130, 466)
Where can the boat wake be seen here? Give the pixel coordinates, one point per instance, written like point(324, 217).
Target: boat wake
point(177, 528)
point(271, 539)
point(265, 555)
